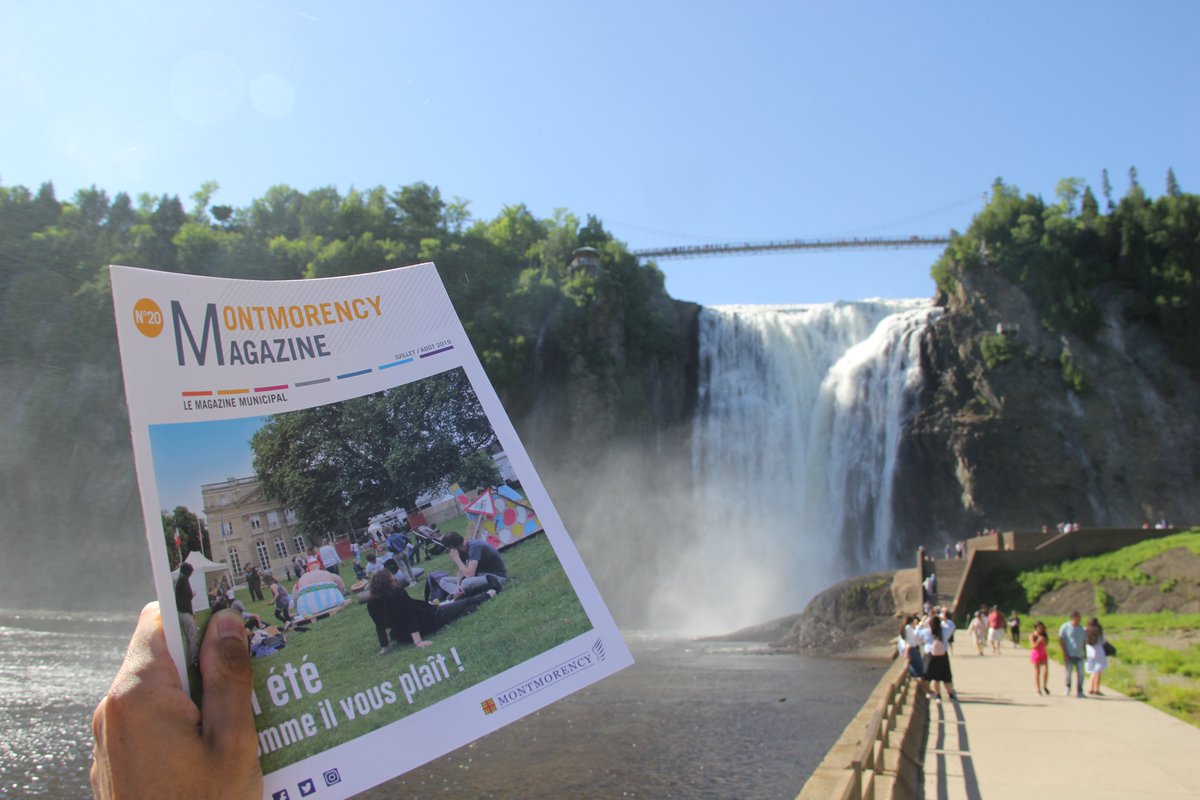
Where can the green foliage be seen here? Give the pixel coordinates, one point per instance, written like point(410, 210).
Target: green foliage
point(336, 465)
point(1072, 373)
point(506, 276)
point(996, 349)
point(1103, 601)
point(477, 469)
point(1123, 564)
point(1061, 253)
point(188, 525)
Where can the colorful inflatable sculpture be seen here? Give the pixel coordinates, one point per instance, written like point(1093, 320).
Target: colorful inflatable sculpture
point(499, 513)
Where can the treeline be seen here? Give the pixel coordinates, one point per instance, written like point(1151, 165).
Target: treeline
point(506, 275)
point(1066, 254)
point(65, 457)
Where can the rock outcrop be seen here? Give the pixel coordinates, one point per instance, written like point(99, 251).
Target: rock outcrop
point(1056, 428)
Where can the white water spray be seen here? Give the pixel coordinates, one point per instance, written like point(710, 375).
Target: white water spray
point(798, 424)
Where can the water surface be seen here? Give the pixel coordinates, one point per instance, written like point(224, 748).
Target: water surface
point(688, 720)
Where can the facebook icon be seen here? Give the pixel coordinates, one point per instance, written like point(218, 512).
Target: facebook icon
point(282, 794)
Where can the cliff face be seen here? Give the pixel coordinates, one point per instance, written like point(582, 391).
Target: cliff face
point(1102, 432)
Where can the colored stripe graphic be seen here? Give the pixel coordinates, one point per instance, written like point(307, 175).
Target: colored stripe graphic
point(312, 383)
point(354, 374)
point(233, 391)
point(435, 352)
point(271, 388)
point(395, 364)
point(198, 394)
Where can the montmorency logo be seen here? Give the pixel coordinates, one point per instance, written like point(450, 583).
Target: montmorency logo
point(205, 339)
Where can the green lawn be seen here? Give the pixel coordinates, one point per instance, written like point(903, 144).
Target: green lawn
point(536, 611)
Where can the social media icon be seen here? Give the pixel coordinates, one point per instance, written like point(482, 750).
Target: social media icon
point(307, 787)
point(282, 794)
point(332, 776)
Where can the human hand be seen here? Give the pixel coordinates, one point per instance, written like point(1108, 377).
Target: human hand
point(152, 741)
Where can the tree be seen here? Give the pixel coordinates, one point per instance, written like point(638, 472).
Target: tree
point(188, 524)
point(478, 469)
point(1106, 188)
point(339, 464)
point(1173, 189)
point(1068, 190)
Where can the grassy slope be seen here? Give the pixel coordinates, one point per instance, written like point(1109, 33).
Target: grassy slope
point(1120, 564)
point(1158, 655)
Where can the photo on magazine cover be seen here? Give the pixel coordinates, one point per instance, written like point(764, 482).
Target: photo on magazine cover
point(380, 549)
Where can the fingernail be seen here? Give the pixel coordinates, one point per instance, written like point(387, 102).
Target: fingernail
point(230, 626)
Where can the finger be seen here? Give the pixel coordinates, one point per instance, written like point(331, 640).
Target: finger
point(147, 659)
point(228, 721)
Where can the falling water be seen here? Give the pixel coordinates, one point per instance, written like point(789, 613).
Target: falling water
point(794, 451)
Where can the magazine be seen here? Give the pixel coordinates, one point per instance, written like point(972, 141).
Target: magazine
point(322, 432)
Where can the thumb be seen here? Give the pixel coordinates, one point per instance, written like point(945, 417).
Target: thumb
point(227, 720)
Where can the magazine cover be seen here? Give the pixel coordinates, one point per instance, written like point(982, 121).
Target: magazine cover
point(334, 438)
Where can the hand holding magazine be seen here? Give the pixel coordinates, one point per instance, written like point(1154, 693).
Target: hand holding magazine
point(359, 496)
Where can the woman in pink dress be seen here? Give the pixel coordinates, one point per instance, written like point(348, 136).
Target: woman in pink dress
point(1039, 657)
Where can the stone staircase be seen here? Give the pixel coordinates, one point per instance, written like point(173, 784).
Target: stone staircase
point(949, 576)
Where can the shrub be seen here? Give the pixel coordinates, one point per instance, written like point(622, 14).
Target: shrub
point(996, 348)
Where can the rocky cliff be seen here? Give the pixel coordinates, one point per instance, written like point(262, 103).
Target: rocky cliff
point(1021, 427)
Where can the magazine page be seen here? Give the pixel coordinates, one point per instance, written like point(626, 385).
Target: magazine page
point(366, 504)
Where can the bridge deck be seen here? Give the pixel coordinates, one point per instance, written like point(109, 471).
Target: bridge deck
point(879, 242)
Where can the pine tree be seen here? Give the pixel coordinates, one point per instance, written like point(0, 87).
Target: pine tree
point(1172, 185)
point(1106, 188)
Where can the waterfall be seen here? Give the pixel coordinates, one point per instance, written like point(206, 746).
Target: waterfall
point(797, 428)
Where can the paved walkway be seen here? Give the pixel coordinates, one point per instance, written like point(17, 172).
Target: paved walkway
point(1002, 740)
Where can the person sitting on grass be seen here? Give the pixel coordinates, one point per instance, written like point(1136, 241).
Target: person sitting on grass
point(480, 567)
point(392, 609)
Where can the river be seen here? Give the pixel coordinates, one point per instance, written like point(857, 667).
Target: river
point(688, 720)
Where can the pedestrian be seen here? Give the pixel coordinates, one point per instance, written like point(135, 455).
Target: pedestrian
point(1039, 657)
point(996, 623)
point(1097, 655)
point(187, 618)
point(937, 672)
point(978, 629)
point(254, 582)
point(1014, 627)
point(1071, 638)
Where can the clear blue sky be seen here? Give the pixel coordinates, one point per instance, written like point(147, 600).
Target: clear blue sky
point(190, 454)
point(674, 122)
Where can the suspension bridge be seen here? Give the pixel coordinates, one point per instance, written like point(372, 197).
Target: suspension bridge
point(786, 245)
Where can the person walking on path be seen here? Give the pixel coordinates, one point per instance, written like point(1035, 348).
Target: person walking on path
point(1071, 638)
point(1097, 657)
point(1014, 627)
point(1039, 657)
point(978, 630)
point(938, 670)
point(996, 625)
